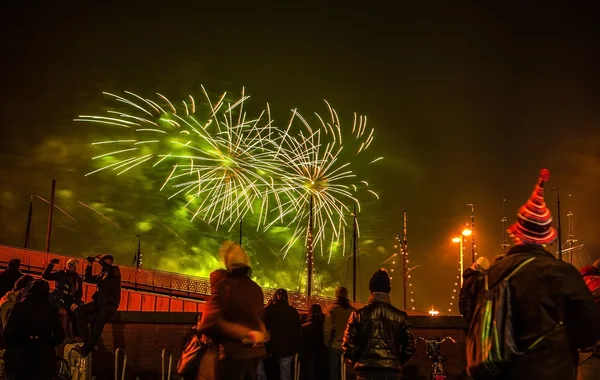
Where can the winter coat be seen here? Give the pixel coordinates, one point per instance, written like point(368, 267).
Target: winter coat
point(283, 323)
point(68, 287)
point(233, 310)
point(109, 284)
point(336, 320)
point(378, 336)
point(32, 333)
point(591, 276)
point(8, 277)
point(466, 300)
point(544, 293)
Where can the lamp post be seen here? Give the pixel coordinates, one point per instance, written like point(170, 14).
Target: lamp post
point(460, 239)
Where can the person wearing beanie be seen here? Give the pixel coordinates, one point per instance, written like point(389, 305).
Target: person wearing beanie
point(471, 277)
point(233, 317)
point(378, 339)
point(336, 319)
point(552, 309)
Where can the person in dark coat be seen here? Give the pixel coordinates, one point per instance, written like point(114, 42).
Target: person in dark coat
point(551, 306)
point(378, 338)
point(68, 289)
point(313, 352)
point(32, 333)
point(233, 318)
point(105, 303)
point(9, 276)
point(466, 299)
point(283, 324)
point(336, 320)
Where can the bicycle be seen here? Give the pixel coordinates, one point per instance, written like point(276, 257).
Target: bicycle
point(434, 352)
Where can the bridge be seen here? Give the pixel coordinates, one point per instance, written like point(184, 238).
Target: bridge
point(145, 289)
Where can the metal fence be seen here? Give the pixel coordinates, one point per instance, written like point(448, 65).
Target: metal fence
point(148, 289)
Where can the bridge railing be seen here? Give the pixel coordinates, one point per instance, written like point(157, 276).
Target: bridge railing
point(167, 284)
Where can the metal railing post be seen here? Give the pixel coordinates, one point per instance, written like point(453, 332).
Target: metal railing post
point(343, 369)
point(296, 368)
point(117, 363)
point(162, 355)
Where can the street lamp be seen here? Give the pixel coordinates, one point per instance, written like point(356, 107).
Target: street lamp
point(459, 239)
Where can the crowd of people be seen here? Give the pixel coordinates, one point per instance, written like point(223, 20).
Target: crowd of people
point(36, 320)
point(544, 312)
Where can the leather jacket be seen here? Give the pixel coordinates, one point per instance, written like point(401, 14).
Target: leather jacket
point(378, 337)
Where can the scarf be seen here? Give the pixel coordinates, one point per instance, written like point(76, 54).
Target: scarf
point(380, 297)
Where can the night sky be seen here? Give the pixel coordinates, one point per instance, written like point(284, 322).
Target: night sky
point(468, 104)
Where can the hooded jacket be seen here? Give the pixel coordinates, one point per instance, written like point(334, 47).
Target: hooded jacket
point(336, 320)
point(545, 293)
point(7, 303)
point(68, 286)
point(283, 323)
point(467, 293)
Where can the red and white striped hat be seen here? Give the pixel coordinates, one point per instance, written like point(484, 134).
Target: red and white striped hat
point(534, 223)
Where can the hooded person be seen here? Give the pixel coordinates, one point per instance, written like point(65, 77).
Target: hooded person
point(67, 293)
point(233, 317)
point(32, 332)
point(553, 311)
point(336, 319)
point(378, 339)
point(105, 302)
point(471, 276)
point(9, 276)
point(282, 320)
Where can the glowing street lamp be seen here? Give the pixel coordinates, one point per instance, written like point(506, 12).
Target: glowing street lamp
point(459, 239)
point(433, 313)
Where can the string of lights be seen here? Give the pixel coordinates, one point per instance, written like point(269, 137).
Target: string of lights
point(456, 288)
point(401, 253)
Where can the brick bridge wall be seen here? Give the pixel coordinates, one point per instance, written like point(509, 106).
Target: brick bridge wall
point(144, 335)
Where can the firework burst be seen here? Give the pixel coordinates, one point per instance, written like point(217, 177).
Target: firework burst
point(316, 171)
point(221, 162)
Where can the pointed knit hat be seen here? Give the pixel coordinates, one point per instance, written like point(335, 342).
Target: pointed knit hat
point(534, 223)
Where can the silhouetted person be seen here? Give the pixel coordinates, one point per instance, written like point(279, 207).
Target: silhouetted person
point(7, 303)
point(67, 292)
point(471, 277)
point(378, 339)
point(313, 352)
point(32, 333)
point(283, 324)
point(336, 320)
point(9, 276)
point(104, 305)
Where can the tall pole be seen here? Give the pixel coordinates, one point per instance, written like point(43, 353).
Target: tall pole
point(28, 228)
point(461, 256)
point(571, 237)
point(241, 229)
point(472, 231)
point(310, 254)
point(560, 256)
point(354, 253)
point(504, 220)
point(404, 263)
point(50, 214)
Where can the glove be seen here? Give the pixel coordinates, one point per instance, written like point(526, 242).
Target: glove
point(255, 338)
point(54, 261)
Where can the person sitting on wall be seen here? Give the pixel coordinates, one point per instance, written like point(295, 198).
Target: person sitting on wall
point(67, 293)
point(105, 302)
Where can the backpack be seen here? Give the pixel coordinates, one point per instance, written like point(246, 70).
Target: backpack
point(491, 345)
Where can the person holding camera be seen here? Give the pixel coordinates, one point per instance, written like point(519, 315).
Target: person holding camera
point(67, 292)
point(105, 302)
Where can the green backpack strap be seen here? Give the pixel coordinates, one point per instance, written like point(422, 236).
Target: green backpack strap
point(518, 268)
